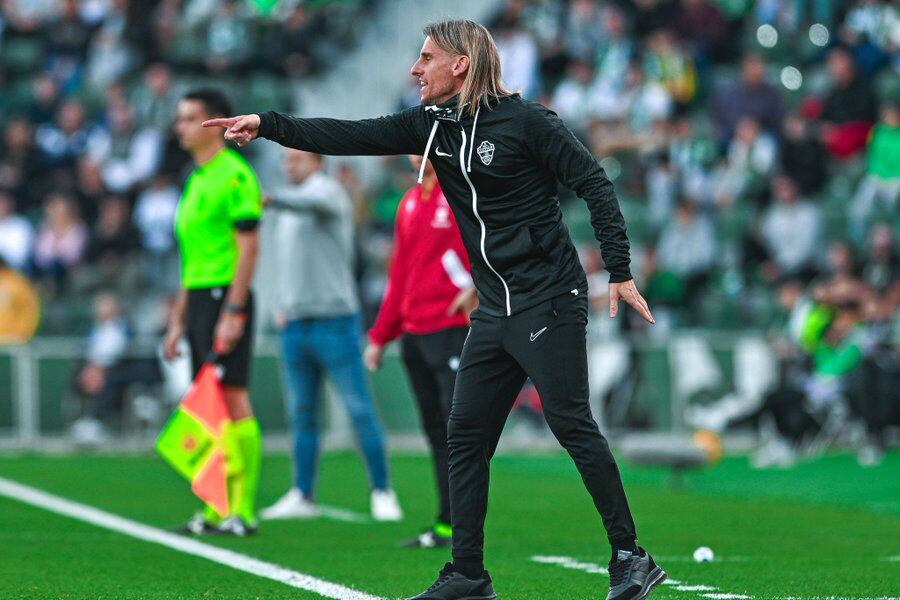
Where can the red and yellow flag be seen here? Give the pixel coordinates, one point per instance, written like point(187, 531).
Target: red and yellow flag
point(196, 441)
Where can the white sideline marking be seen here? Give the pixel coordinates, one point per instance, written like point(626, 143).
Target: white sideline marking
point(695, 588)
point(690, 559)
point(567, 562)
point(727, 596)
point(154, 535)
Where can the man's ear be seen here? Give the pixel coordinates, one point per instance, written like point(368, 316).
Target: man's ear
point(460, 66)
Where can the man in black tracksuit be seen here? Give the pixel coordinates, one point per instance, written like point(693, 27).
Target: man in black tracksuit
point(499, 169)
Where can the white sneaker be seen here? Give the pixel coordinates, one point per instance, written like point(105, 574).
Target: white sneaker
point(236, 526)
point(293, 505)
point(385, 506)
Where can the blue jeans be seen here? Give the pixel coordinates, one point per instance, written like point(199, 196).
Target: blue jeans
point(329, 346)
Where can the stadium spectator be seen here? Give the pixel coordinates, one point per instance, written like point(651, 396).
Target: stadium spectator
point(44, 100)
point(293, 43)
point(66, 41)
point(883, 269)
point(109, 259)
point(575, 98)
point(687, 248)
point(154, 216)
point(155, 98)
point(16, 235)
point(128, 154)
point(651, 15)
point(701, 24)
point(691, 155)
point(617, 50)
point(105, 345)
point(879, 190)
point(790, 231)
point(518, 57)
point(583, 30)
point(228, 37)
point(841, 264)
point(19, 162)
point(802, 155)
point(849, 109)
point(751, 160)
point(752, 96)
point(68, 137)
point(669, 64)
point(109, 56)
point(89, 187)
point(61, 240)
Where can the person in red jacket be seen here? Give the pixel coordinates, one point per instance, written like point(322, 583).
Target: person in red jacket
point(428, 300)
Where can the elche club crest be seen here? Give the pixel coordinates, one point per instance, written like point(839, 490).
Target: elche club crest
point(486, 152)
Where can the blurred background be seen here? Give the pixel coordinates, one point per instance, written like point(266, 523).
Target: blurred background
point(754, 145)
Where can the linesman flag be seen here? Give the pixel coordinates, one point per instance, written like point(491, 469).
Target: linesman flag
point(197, 440)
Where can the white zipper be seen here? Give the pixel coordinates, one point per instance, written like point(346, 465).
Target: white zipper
point(462, 167)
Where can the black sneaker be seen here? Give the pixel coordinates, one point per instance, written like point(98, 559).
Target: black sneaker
point(197, 525)
point(632, 576)
point(429, 539)
point(451, 585)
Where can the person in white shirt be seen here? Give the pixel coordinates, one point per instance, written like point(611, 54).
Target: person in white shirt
point(16, 234)
point(791, 230)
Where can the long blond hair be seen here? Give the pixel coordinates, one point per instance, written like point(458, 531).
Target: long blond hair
point(468, 38)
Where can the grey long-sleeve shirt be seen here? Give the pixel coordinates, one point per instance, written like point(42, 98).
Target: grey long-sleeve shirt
point(314, 249)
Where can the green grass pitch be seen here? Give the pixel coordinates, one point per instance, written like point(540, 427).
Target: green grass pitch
point(823, 529)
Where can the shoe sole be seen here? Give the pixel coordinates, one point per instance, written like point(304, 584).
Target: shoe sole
point(656, 577)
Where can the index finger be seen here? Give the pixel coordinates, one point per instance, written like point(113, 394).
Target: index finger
point(220, 122)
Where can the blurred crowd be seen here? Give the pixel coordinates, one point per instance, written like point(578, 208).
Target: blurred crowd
point(755, 145)
point(90, 172)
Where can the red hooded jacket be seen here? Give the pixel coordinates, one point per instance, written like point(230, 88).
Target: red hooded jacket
point(428, 269)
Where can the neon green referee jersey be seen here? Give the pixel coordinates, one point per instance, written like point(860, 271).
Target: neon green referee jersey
point(219, 197)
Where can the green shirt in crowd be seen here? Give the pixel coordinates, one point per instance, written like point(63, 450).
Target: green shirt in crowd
point(883, 155)
point(219, 197)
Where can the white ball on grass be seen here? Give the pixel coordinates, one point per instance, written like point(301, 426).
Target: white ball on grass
point(703, 554)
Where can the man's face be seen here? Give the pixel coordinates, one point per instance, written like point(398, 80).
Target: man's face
point(189, 126)
point(438, 72)
point(299, 164)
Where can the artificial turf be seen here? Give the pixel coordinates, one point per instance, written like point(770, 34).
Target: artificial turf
point(822, 529)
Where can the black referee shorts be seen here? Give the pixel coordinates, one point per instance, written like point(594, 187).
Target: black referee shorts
point(203, 309)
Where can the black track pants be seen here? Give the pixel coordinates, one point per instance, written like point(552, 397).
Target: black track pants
point(548, 344)
point(431, 361)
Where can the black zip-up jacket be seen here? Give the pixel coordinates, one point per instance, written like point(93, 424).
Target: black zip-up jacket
point(502, 188)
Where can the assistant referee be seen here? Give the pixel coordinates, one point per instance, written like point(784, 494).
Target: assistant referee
point(217, 227)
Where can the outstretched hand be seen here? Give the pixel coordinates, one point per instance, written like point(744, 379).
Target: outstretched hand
point(241, 129)
point(627, 291)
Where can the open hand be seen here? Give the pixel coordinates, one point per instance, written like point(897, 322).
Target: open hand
point(627, 291)
point(241, 129)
